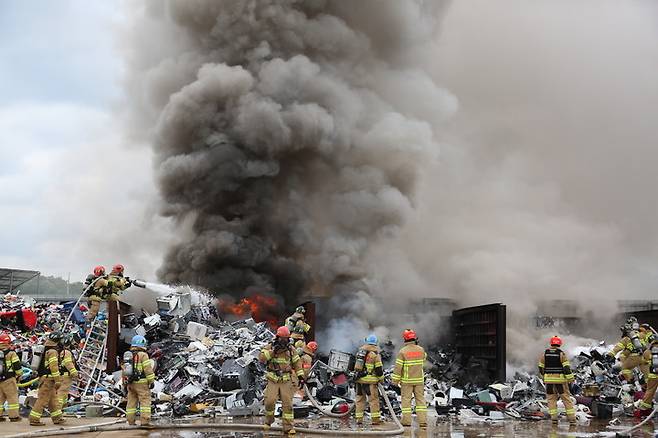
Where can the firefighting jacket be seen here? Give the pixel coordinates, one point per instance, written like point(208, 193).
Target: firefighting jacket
point(374, 368)
point(99, 288)
point(307, 360)
point(67, 365)
point(648, 357)
point(297, 326)
point(625, 345)
point(117, 284)
point(12, 366)
point(142, 367)
point(409, 365)
point(281, 363)
point(555, 367)
point(49, 366)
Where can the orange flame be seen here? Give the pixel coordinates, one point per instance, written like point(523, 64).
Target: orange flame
point(259, 307)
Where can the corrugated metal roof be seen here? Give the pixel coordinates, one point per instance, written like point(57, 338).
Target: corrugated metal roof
point(10, 278)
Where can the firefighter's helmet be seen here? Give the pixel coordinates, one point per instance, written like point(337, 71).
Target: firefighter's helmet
point(118, 269)
point(409, 335)
point(556, 341)
point(283, 332)
point(99, 270)
point(313, 346)
point(5, 338)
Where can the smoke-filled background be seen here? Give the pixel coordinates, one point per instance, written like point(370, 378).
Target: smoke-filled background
point(383, 151)
point(288, 137)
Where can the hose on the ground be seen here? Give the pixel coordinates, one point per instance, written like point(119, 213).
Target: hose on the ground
point(320, 408)
point(65, 430)
point(97, 403)
point(627, 432)
point(113, 426)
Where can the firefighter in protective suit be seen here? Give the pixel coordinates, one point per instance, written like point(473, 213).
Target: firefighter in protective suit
point(139, 377)
point(68, 369)
point(297, 325)
point(95, 286)
point(306, 355)
point(50, 381)
point(370, 371)
point(409, 373)
point(632, 346)
point(117, 283)
point(555, 368)
point(650, 358)
point(282, 362)
point(11, 370)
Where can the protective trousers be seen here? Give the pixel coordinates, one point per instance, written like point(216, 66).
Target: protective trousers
point(283, 391)
point(94, 308)
point(46, 396)
point(555, 391)
point(418, 392)
point(138, 392)
point(63, 392)
point(630, 363)
point(367, 392)
point(647, 401)
point(9, 393)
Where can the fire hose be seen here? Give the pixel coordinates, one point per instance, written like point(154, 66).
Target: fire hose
point(236, 427)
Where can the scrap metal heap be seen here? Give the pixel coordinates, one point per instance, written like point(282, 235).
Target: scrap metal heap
point(209, 366)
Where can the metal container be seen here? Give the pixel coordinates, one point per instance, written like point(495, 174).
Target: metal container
point(340, 361)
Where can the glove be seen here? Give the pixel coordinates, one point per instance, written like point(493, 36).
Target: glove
point(302, 382)
point(151, 385)
point(609, 358)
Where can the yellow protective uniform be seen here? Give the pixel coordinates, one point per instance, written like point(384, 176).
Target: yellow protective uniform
point(8, 386)
point(69, 373)
point(409, 373)
point(366, 386)
point(629, 358)
point(281, 365)
point(49, 382)
point(555, 368)
point(652, 380)
point(298, 326)
point(138, 389)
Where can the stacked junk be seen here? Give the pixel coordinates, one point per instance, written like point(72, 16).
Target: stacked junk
point(207, 366)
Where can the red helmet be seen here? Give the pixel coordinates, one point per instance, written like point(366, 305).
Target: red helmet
point(283, 332)
point(313, 346)
point(409, 335)
point(117, 269)
point(556, 340)
point(99, 270)
point(5, 339)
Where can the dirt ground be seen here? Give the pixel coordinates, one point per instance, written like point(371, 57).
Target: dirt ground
point(439, 427)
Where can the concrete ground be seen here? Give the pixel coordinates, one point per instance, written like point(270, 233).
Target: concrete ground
point(439, 427)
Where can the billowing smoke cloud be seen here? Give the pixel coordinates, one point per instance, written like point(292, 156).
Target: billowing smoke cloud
point(289, 135)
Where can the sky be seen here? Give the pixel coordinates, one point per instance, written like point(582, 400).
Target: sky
point(547, 170)
point(68, 181)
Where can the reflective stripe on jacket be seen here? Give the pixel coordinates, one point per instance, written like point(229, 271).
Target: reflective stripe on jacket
point(409, 365)
point(67, 364)
point(281, 363)
point(555, 367)
point(143, 366)
point(373, 365)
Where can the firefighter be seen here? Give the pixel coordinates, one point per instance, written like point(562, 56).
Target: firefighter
point(117, 282)
point(50, 381)
point(297, 324)
point(95, 287)
point(370, 371)
point(282, 362)
point(650, 358)
point(307, 355)
point(409, 374)
point(68, 369)
point(139, 377)
point(11, 370)
point(555, 368)
point(632, 345)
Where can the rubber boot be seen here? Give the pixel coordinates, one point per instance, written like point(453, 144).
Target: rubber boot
point(14, 420)
point(37, 423)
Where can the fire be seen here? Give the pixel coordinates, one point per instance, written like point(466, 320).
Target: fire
point(259, 307)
